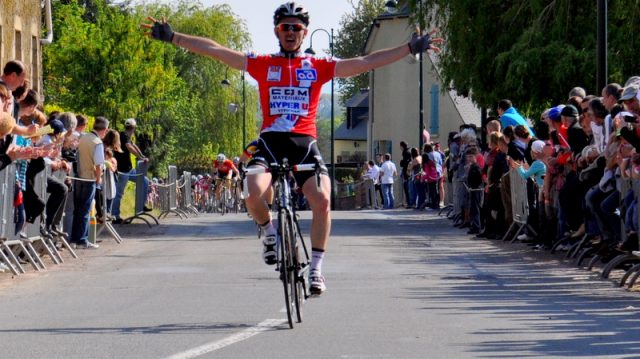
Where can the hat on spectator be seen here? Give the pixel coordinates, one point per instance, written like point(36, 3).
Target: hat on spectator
point(630, 92)
point(554, 113)
point(632, 80)
point(130, 123)
point(7, 123)
point(456, 136)
point(569, 111)
point(57, 126)
point(537, 146)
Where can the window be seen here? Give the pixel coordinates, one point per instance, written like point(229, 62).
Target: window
point(35, 69)
point(382, 147)
point(18, 46)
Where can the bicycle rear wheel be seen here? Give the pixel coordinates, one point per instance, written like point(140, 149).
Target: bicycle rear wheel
point(286, 266)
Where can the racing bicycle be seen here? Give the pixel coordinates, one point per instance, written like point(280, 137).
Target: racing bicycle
point(292, 253)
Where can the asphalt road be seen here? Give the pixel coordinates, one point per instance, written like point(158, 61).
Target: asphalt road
point(401, 284)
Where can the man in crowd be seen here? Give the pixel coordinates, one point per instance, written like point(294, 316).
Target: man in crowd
point(404, 171)
point(90, 161)
point(126, 172)
point(509, 116)
point(387, 172)
point(373, 175)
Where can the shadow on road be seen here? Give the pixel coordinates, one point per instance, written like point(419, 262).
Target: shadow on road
point(550, 308)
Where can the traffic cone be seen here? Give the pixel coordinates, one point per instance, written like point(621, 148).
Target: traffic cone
point(92, 223)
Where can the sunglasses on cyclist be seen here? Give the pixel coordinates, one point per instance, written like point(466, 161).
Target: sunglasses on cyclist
point(292, 27)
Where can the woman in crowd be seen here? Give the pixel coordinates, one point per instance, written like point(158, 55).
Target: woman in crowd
point(111, 143)
point(416, 188)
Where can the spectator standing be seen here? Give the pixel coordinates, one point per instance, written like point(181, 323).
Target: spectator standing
point(55, 187)
point(126, 172)
point(373, 174)
point(90, 162)
point(111, 143)
point(576, 136)
point(13, 76)
point(387, 172)
point(416, 187)
point(7, 153)
point(509, 116)
point(404, 174)
point(69, 154)
point(379, 162)
point(610, 97)
point(631, 98)
point(443, 167)
point(431, 163)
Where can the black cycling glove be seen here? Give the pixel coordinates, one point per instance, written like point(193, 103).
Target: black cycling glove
point(419, 44)
point(162, 31)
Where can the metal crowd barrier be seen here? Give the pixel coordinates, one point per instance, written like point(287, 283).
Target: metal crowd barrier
point(7, 192)
point(169, 195)
point(106, 224)
point(34, 243)
point(39, 241)
point(187, 195)
point(141, 196)
point(623, 186)
point(519, 206)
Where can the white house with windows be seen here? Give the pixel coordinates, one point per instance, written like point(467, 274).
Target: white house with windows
point(394, 111)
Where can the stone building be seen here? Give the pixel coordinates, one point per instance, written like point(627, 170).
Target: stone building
point(21, 34)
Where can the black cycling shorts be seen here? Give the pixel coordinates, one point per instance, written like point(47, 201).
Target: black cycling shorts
point(298, 149)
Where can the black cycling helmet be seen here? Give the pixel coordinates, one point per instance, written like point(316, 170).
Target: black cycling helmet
point(291, 9)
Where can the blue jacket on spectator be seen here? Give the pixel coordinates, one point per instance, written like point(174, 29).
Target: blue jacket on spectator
point(511, 117)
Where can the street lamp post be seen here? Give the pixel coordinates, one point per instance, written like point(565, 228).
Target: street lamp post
point(333, 165)
point(233, 107)
point(420, 89)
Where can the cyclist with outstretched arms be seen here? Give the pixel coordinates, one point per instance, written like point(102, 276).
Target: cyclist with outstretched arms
point(289, 84)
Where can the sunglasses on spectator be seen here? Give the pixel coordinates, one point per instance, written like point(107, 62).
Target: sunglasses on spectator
point(292, 27)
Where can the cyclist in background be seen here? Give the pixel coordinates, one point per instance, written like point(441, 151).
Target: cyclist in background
point(225, 169)
point(290, 84)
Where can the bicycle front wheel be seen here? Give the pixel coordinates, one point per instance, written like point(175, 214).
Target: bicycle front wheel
point(286, 265)
point(297, 286)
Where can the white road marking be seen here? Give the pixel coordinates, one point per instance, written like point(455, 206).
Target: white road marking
point(235, 338)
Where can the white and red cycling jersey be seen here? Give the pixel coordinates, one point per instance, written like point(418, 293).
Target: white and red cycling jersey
point(290, 90)
point(224, 167)
point(203, 183)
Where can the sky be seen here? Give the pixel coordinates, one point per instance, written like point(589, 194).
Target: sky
point(258, 15)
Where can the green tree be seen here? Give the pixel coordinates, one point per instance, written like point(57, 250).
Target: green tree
point(105, 67)
point(532, 52)
point(211, 128)
point(351, 39)
point(101, 64)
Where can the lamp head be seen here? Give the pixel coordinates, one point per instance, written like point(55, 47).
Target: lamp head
point(391, 6)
